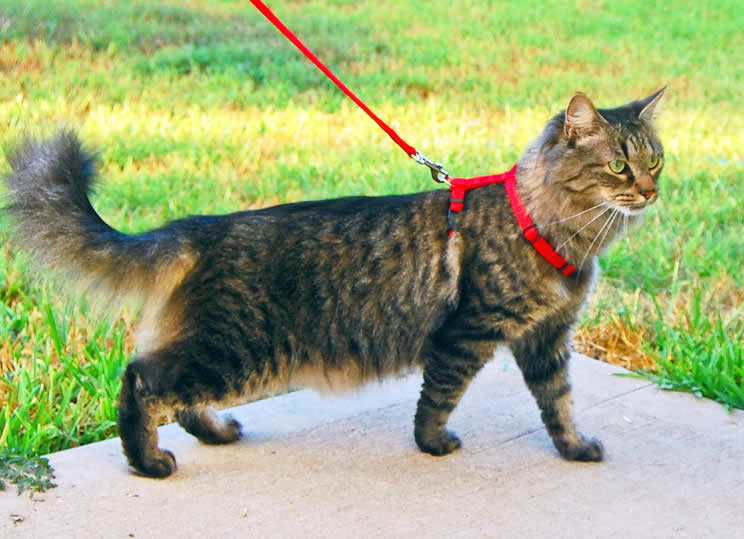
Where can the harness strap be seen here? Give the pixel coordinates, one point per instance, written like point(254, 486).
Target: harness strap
point(532, 235)
point(460, 186)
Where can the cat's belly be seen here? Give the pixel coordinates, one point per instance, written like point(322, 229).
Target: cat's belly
point(330, 379)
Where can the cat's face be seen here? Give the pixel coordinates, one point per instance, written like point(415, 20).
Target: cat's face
point(610, 157)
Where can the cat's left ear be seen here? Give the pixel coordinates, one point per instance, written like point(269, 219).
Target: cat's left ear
point(651, 106)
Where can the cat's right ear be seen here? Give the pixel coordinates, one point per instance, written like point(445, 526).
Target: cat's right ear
point(581, 117)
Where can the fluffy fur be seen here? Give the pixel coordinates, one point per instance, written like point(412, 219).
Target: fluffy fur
point(335, 293)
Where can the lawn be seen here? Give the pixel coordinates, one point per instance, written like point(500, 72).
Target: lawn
point(202, 107)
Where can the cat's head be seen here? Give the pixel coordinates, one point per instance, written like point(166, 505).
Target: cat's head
point(610, 156)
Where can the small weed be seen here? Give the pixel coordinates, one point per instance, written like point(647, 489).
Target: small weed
point(26, 472)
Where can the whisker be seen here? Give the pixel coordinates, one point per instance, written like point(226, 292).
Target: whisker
point(608, 208)
point(577, 214)
point(606, 233)
point(606, 226)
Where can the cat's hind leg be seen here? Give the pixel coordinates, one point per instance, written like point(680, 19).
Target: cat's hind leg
point(543, 357)
point(170, 379)
point(139, 406)
point(209, 427)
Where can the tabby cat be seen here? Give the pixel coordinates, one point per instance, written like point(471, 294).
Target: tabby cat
point(332, 294)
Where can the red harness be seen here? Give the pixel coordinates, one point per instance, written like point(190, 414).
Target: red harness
point(458, 186)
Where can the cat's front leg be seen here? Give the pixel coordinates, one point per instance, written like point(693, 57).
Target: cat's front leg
point(543, 357)
point(449, 367)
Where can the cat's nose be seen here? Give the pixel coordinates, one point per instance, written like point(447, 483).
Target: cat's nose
point(646, 186)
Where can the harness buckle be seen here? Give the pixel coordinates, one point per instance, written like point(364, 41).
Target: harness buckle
point(438, 174)
point(451, 220)
point(531, 234)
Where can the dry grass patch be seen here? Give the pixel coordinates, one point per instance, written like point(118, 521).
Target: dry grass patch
point(617, 344)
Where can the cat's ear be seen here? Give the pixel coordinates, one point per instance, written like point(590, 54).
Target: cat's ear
point(651, 106)
point(581, 117)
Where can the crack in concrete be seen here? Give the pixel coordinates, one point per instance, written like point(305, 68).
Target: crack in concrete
point(619, 395)
point(533, 430)
point(522, 435)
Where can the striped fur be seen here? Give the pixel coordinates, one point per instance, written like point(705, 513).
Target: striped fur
point(336, 293)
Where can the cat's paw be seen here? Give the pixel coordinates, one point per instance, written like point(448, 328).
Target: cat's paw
point(443, 443)
point(208, 426)
point(231, 430)
point(586, 449)
point(161, 465)
point(220, 430)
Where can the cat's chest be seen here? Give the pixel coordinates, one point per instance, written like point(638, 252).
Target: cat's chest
point(513, 301)
point(541, 298)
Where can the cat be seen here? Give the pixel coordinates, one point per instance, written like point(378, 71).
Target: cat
point(332, 294)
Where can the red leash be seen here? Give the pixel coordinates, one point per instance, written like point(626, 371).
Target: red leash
point(458, 186)
point(410, 150)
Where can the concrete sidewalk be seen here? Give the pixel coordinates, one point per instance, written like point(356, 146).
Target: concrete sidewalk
point(312, 466)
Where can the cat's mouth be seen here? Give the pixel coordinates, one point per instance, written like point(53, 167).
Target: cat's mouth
point(633, 209)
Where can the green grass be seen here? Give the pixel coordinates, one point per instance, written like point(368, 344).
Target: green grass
point(203, 107)
point(61, 379)
point(707, 359)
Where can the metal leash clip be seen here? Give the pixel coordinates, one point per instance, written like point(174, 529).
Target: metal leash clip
point(438, 174)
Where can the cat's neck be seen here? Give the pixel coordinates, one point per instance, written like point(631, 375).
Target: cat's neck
point(577, 228)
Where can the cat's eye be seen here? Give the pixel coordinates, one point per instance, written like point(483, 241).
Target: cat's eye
point(616, 165)
point(653, 160)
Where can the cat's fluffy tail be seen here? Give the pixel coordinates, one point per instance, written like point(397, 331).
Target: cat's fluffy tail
point(54, 220)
